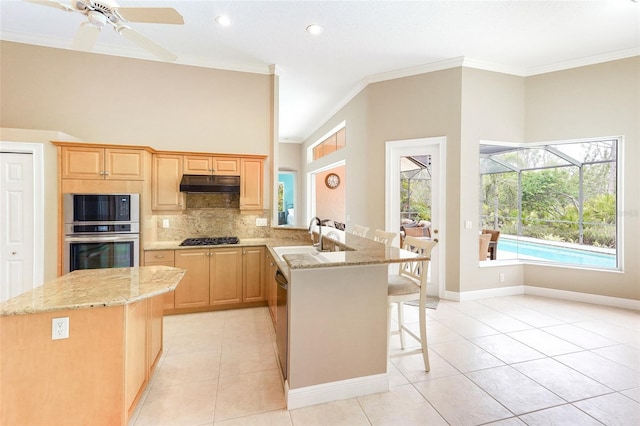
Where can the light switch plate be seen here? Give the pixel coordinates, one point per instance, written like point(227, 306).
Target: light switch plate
point(165, 223)
point(468, 224)
point(261, 221)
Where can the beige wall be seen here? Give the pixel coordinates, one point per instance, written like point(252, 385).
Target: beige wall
point(493, 110)
point(425, 105)
point(108, 99)
point(470, 105)
point(595, 101)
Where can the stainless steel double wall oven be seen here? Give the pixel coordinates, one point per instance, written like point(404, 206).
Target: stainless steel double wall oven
point(101, 231)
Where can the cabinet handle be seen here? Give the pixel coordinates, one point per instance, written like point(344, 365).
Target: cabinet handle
point(159, 256)
point(105, 173)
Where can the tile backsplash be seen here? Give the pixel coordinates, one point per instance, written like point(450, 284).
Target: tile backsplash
point(217, 215)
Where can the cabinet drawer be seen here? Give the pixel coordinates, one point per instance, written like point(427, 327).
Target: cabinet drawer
point(154, 256)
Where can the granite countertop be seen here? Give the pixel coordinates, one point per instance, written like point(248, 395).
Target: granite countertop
point(353, 251)
point(91, 288)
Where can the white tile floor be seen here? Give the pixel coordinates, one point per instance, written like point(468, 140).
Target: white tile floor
point(503, 361)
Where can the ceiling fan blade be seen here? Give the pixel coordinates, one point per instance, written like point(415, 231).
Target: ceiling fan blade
point(86, 37)
point(52, 3)
point(147, 44)
point(151, 15)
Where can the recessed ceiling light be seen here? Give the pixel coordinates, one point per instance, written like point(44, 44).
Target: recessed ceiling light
point(223, 20)
point(314, 29)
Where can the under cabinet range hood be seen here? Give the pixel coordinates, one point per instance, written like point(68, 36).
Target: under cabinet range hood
point(207, 184)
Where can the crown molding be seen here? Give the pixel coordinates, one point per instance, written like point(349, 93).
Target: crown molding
point(583, 62)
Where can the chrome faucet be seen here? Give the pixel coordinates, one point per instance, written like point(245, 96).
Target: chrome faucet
point(316, 220)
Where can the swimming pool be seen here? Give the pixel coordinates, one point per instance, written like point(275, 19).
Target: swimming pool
point(527, 249)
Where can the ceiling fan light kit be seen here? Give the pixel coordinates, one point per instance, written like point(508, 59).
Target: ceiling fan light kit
point(101, 12)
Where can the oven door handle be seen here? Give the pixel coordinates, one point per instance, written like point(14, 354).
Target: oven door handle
point(100, 238)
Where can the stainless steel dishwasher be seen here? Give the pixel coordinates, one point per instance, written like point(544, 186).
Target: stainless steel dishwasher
point(282, 330)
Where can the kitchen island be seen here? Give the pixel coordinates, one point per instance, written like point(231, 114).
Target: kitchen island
point(97, 374)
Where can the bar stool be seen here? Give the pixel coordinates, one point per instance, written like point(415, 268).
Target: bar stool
point(383, 237)
point(407, 285)
point(360, 231)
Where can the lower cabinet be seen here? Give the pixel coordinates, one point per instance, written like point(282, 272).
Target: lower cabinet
point(163, 258)
point(143, 346)
point(193, 290)
point(253, 277)
point(216, 277)
point(225, 276)
point(271, 285)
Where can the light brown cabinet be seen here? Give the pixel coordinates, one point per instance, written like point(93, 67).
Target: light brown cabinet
point(225, 276)
point(251, 184)
point(193, 290)
point(143, 346)
point(97, 163)
point(215, 277)
point(271, 286)
point(211, 165)
point(165, 258)
point(166, 174)
point(253, 261)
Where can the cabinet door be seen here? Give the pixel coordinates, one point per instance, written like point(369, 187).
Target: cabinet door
point(198, 165)
point(271, 289)
point(155, 311)
point(251, 184)
point(136, 350)
point(123, 164)
point(193, 290)
point(226, 276)
point(226, 166)
point(165, 258)
point(82, 163)
point(165, 183)
point(253, 274)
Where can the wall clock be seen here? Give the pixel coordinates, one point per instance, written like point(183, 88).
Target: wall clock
point(332, 180)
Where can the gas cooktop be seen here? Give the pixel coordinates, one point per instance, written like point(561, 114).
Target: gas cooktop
point(209, 241)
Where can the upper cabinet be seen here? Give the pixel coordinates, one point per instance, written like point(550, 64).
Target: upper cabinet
point(165, 182)
point(211, 165)
point(85, 162)
point(251, 184)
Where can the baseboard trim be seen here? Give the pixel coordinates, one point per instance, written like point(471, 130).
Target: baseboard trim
point(574, 296)
point(465, 296)
point(334, 391)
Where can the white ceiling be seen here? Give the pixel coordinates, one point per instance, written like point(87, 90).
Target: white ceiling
point(362, 41)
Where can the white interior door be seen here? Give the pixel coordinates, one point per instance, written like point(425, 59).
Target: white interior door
point(17, 224)
point(433, 147)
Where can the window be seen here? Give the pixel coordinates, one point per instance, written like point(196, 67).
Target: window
point(553, 202)
point(333, 143)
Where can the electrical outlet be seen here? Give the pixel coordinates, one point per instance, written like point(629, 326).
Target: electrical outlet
point(165, 223)
point(261, 221)
point(501, 278)
point(468, 224)
point(60, 328)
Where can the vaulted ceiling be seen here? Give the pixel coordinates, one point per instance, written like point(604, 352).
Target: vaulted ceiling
point(362, 41)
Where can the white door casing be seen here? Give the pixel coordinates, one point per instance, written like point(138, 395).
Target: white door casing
point(435, 147)
point(21, 218)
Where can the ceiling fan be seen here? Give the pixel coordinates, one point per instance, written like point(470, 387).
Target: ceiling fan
point(107, 12)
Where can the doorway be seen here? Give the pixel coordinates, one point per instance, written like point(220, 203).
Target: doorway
point(397, 154)
point(287, 198)
point(21, 218)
